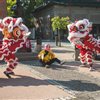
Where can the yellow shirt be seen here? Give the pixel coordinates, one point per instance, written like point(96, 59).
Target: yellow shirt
point(47, 57)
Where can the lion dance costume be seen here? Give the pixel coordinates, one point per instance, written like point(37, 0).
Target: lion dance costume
point(80, 37)
point(15, 34)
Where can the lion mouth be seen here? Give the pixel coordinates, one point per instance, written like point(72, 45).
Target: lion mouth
point(75, 40)
point(72, 39)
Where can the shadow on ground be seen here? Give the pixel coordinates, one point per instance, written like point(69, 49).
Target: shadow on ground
point(80, 85)
point(22, 81)
point(67, 65)
point(76, 85)
point(71, 65)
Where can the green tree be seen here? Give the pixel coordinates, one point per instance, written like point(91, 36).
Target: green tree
point(59, 23)
point(10, 4)
point(28, 7)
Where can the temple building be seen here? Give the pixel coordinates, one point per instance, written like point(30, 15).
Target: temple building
point(75, 9)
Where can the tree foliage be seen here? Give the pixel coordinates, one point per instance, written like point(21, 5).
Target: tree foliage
point(60, 22)
point(10, 3)
point(27, 7)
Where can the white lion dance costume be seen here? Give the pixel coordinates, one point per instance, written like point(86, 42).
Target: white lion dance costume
point(15, 34)
point(79, 36)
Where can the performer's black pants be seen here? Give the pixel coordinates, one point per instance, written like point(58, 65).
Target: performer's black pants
point(50, 62)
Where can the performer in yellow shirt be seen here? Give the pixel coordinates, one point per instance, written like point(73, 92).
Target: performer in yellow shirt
point(47, 57)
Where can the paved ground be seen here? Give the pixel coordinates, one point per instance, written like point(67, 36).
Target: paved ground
point(80, 81)
point(27, 85)
point(34, 82)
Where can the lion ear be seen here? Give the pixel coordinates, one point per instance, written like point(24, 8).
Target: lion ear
point(10, 27)
point(86, 21)
point(7, 20)
point(90, 24)
point(18, 21)
point(69, 26)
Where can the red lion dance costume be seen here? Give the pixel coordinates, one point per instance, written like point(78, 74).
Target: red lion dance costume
point(15, 34)
point(79, 36)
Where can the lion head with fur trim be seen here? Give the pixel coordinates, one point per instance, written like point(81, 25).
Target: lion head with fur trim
point(78, 30)
point(13, 28)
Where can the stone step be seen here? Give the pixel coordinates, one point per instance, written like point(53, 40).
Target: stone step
point(26, 56)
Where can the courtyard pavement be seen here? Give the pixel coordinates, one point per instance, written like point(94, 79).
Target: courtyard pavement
point(29, 84)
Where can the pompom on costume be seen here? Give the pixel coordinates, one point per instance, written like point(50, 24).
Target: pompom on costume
point(15, 35)
point(80, 37)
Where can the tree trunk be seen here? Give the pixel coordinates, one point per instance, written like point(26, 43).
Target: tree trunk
point(59, 38)
point(56, 37)
point(56, 40)
point(76, 54)
point(38, 45)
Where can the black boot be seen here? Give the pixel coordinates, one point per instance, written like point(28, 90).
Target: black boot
point(91, 67)
point(7, 74)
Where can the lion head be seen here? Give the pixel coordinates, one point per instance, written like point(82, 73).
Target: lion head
point(13, 28)
point(78, 30)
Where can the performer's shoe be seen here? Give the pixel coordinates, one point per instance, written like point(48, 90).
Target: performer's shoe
point(8, 74)
point(92, 69)
point(62, 62)
point(47, 66)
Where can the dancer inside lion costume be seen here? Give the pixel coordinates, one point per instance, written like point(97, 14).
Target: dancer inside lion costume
point(15, 34)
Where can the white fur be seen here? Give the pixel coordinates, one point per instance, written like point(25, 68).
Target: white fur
point(18, 21)
point(10, 27)
point(1, 24)
point(81, 33)
point(5, 20)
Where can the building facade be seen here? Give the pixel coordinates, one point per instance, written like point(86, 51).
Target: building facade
point(75, 9)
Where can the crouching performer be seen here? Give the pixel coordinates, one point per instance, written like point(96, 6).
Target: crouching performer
point(47, 57)
point(15, 34)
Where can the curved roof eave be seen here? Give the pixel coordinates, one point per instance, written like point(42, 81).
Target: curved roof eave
point(48, 4)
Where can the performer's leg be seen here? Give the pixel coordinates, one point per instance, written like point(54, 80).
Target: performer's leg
point(11, 64)
point(42, 62)
point(54, 60)
point(82, 58)
point(89, 56)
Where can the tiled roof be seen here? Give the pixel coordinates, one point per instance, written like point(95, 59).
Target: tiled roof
point(81, 3)
point(95, 3)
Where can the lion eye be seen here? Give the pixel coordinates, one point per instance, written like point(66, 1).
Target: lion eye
point(74, 29)
point(18, 33)
point(81, 27)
